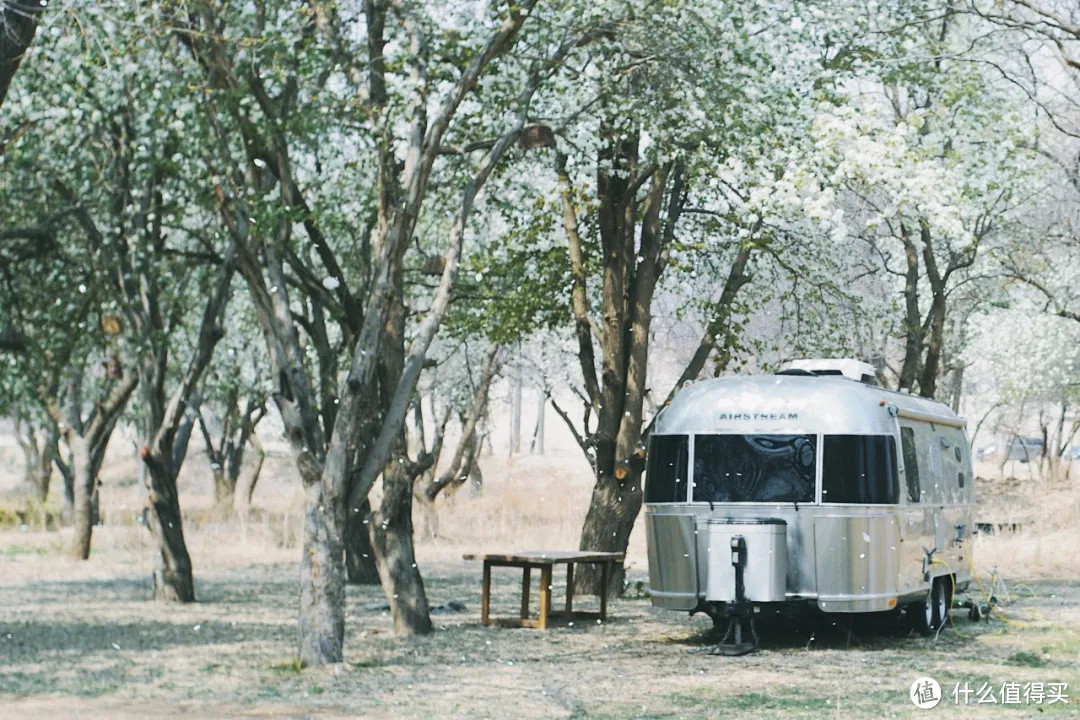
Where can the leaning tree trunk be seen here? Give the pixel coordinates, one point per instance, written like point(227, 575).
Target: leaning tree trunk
point(360, 567)
point(390, 527)
point(392, 539)
point(67, 474)
point(253, 477)
point(172, 574)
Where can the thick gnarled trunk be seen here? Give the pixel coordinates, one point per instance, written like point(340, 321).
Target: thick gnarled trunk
point(173, 581)
point(321, 630)
point(390, 526)
point(612, 512)
point(629, 277)
point(360, 432)
point(392, 539)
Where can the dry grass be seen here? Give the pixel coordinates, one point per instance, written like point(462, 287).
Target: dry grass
point(527, 502)
point(1044, 513)
point(86, 641)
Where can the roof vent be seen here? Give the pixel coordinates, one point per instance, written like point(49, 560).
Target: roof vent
point(846, 367)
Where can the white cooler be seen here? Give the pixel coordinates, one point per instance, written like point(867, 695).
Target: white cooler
point(765, 572)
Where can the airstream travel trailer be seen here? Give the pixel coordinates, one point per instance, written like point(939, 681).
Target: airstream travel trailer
point(812, 486)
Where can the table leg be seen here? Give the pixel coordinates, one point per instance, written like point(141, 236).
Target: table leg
point(526, 582)
point(545, 596)
point(603, 589)
point(485, 595)
point(569, 588)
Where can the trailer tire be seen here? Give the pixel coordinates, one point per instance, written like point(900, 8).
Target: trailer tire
point(922, 613)
point(933, 611)
point(943, 601)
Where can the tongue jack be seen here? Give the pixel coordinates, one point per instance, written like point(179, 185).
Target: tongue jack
point(740, 613)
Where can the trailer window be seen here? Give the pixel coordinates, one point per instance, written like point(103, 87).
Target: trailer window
point(859, 469)
point(911, 463)
point(754, 468)
point(666, 472)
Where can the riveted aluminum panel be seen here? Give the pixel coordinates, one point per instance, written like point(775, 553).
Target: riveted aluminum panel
point(673, 571)
point(858, 557)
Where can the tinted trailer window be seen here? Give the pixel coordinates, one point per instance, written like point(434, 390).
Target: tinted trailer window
point(754, 468)
point(860, 469)
point(667, 470)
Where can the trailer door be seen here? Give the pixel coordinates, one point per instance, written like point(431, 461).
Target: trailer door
point(916, 527)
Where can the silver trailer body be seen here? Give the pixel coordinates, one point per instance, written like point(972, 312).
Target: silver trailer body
point(857, 495)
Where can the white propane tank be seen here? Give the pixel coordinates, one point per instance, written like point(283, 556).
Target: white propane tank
point(765, 574)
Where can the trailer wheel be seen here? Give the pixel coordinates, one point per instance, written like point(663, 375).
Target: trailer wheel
point(922, 613)
point(930, 614)
point(943, 600)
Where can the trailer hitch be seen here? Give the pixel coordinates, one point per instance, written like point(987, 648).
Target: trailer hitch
point(740, 637)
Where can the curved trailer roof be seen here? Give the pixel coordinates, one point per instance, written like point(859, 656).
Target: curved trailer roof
point(793, 404)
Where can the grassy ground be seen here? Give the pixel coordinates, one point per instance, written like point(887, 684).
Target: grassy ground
point(83, 639)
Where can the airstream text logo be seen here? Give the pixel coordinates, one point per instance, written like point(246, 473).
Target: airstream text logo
point(758, 416)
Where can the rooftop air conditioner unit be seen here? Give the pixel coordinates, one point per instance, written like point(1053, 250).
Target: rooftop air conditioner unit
point(847, 367)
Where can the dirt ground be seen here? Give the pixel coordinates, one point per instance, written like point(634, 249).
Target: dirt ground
point(79, 640)
point(84, 639)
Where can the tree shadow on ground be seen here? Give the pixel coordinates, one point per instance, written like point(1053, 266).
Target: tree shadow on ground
point(35, 641)
point(818, 631)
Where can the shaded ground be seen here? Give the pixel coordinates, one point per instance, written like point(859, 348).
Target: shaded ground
point(86, 642)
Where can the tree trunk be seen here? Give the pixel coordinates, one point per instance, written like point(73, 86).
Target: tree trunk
point(934, 329)
point(224, 488)
point(322, 583)
point(172, 576)
point(515, 416)
point(41, 478)
point(82, 506)
point(909, 370)
point(360, 567)
point(390, 527)
point(537, 446)
point(37, 472)
point(18, 24)
point(620, 454)
point(256, 471)
point(67, 474)
point(392, 538)
point(957, 388)
point(472, 467)
point(935, 344)
point(612, 512)
point(468, 446)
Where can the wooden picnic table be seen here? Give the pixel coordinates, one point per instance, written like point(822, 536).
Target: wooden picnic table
point(544, 561)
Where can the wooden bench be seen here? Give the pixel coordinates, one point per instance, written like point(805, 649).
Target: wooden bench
point(545, 562)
